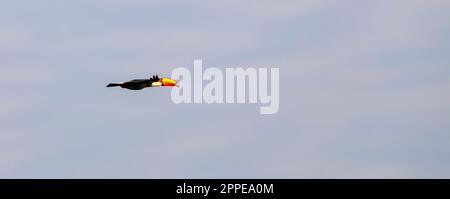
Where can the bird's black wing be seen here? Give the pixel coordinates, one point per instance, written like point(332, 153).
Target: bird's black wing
point(155, 78)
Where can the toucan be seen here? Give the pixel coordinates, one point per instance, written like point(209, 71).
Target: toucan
point(138, 84)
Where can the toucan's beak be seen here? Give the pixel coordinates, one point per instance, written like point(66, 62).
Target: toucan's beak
point(168, 82)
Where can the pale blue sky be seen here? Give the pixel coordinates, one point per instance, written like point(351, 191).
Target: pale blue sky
point(365, 89)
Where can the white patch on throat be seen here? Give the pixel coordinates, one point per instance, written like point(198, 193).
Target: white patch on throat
point(156, 84)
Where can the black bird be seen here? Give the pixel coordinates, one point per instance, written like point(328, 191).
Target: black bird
point(138, 84)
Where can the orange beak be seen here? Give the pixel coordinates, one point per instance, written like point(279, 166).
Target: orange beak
point(168, 82)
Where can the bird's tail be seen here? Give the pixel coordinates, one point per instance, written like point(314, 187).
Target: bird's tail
point(113, 85)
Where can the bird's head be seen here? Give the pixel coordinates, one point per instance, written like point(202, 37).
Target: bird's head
point(167, 82)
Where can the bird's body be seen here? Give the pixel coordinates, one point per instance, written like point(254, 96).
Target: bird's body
point(138, 84)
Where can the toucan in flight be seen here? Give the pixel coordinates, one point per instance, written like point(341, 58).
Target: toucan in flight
point(138, 84)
